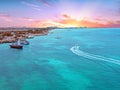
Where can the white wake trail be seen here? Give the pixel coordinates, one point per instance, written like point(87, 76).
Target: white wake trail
point(75, 49)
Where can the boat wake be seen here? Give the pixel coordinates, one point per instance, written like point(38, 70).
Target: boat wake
point(77, 51)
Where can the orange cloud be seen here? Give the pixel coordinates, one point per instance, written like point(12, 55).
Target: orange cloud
point(46, 23)
point(113, 24)
point(67, 21)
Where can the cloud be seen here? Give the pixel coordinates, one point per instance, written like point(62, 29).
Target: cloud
point(46, 23)
point(46, 2)
point(68, 21)
point(113, 24)
point(36, 7)
point(8, 20)
point(66, 16)
point(5, 17)
point(27, 19)
point(64, 21)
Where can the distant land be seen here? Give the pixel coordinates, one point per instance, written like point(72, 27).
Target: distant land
point(9, 35)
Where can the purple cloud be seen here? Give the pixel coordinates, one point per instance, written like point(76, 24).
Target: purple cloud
point(36, 7)
point(5, 17)
point(46, 2)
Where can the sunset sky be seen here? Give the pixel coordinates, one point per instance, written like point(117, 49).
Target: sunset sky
point(60, 13)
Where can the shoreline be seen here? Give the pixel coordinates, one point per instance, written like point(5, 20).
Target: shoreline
point(10, 36)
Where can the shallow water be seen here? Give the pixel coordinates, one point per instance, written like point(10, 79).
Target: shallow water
point(49, 64)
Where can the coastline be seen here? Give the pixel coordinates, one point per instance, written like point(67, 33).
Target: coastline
point(12, 35)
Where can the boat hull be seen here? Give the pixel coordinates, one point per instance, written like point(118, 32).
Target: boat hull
point(16, 46)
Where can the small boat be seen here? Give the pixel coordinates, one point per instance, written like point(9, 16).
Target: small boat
point(30, 37)
point(24, 42)
point(58, 37)
point(17, 45)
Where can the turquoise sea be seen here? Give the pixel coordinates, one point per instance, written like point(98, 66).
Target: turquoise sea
point(53, 62)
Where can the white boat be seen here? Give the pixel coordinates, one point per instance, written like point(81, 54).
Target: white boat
point(17, 45)
point(24, 42)
point(30, 37)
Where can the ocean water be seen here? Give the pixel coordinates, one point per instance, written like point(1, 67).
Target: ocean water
point(54, 62)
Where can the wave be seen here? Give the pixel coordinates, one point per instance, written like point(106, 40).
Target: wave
point(77, 51)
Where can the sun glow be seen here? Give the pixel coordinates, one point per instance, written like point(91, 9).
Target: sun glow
point(60, 13)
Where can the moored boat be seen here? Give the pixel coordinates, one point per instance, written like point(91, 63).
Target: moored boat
point(30, 37)
point(17, 45)
point(24, 42)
